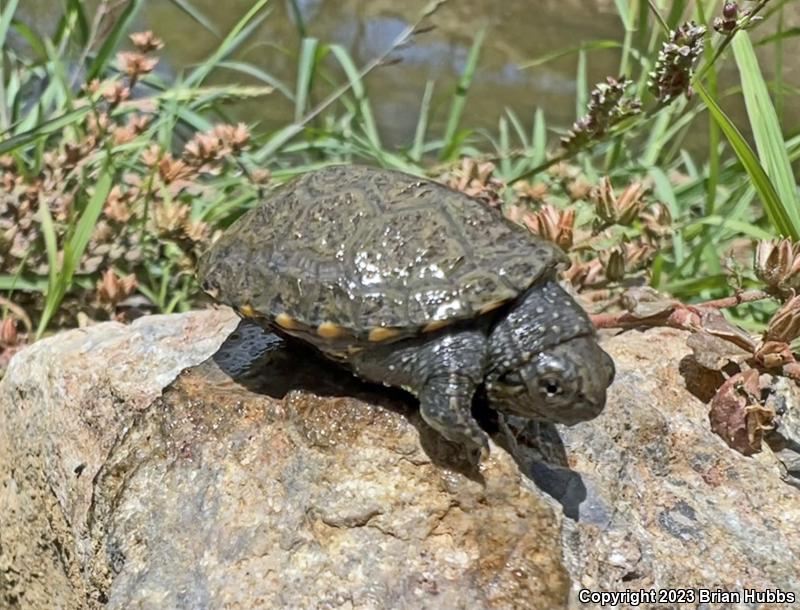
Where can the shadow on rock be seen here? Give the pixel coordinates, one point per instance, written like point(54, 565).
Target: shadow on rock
point(263, 363)
point(539, 451)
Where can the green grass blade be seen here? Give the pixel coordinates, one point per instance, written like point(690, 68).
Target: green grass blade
point(460, 98)
point(357, 86)
point(539, 139)
point(77, 242)
point(5, 20)
point(42, 129)
point(306, 66)
point(592, 45)
point(776, 211)
point(766, 128)
point(422, 122)
point(52, 296)
point(76, 8)
point(238, 33)
point(258, 74)
point(112, 40)
point(196, 14)
point(60, 279)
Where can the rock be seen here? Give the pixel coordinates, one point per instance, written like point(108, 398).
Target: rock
point(137, 471)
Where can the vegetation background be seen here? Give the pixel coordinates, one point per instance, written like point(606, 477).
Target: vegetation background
point(674, 186)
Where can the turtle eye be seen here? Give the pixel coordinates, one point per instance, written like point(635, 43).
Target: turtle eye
point(551, 386)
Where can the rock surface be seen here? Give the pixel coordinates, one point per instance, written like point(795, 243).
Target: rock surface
point(136, 471)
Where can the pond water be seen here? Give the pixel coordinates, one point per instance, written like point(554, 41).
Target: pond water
point(517, 31)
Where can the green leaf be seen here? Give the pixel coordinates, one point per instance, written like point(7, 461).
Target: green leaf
point(42, 129)
point(357, 86)
point(306, 66)
point(422, 122)
point(60, 276)
point(592, 45)
point(239, 32)
point(776, 211)
point(460, 98)
point(195, 13)
point(5, 20)
point(766, 128)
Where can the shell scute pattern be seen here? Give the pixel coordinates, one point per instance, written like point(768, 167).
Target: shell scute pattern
point(357, 249)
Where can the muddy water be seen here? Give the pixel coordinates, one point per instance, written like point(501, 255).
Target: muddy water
point(517, 30)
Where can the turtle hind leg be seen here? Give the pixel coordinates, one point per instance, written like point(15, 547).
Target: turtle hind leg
point(443, 371)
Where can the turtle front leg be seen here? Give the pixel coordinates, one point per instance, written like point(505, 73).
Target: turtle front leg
point(445, 404)
point(444, 371)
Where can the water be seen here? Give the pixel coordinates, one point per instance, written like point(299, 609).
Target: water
point(517, 31)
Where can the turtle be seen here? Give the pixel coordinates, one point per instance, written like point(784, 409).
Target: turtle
point(411, 284)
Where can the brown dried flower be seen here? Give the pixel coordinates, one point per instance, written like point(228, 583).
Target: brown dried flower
point(135, 64)
point(777, 264)
point(737, 414)
point(116, 93)
point(172, 170)
point(784, 326)
point(146, 42)
point(9, 336)
point(111, 289)
point(552, 224)
point(622, 210)
point(531, 192)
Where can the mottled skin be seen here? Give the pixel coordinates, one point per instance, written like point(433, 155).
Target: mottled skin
point(411, 284)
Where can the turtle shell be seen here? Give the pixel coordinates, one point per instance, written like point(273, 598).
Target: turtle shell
point(353, 254)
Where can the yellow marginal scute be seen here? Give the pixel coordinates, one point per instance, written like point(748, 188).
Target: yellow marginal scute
point(330, 330)
point(381, 333)
point(248, 311)
point(491, 306)
point(284, 320)
point(435, 325)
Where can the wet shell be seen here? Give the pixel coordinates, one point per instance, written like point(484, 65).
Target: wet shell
point(356, 255)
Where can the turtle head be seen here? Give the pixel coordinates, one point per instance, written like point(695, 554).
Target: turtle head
point(565, 384)
point(545, 362)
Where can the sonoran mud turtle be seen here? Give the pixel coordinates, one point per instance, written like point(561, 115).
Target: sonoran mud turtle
point(411, 284)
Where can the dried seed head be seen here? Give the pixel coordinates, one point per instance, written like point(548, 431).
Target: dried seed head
point(145, 42)
point(135, 64)
point(622, 210)
point(169, 219)
point(172, 170)
point(235, 137)
point(785, 324)
point(9, 336)
point(151, 155)
point(777, 264)
point(737, 414)
point(116, 206)
point(614, 265)
point(531, 192)
point(552, 224)
point(260, 176)
point(774, 354)
point(477, 180)
point(608, 106)
point(111, 289)
point(674, 68)
point(116, 93)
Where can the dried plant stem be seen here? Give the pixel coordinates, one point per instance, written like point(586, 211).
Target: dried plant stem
point(677, 316)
